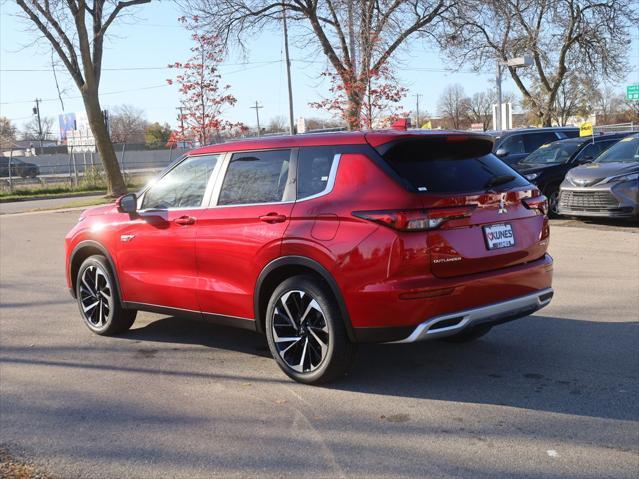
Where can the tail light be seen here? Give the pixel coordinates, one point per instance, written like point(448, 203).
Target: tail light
point(415, 220)
point(539, 203)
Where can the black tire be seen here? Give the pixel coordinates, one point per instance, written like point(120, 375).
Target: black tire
point(100, 307)
point(319, 326)
point(553, 202)
point(469, 334)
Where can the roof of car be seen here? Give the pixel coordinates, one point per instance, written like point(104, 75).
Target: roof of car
point(595, 139)
point(373, 137)
point(501, 133)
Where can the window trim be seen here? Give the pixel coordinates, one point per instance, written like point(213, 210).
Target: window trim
point(207, 192)
point(290, 182)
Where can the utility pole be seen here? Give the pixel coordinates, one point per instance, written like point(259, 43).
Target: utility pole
point(498, 126)
point(257, 115)
point(291, 118)
point(36, 111)
point(417, 122)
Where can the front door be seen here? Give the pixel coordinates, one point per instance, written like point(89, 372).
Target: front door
point(156, 254)
point(242, 230)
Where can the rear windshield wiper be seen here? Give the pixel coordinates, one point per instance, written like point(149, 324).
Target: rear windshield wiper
point(499, 180)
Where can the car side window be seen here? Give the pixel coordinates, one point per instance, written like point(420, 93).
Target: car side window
point(313, 169)
point(513, 144)
point(535, 140)
point(255, 177)
point(183, 186)
point(590, 152)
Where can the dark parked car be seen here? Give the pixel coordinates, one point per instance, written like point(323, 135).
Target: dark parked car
point(18, 168)
point(607, 188)
point(512, 146)
point(322, 241)
point(547, 166)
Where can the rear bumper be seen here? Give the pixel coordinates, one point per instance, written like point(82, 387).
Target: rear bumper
point(492, 314)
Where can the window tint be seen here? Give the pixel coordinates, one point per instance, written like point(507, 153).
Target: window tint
point(535, 140)
point(625, 150)
point(571, 133)
point(440, 167)
point(255, 177)
point(558, 152)
point(313, 169)
point(513, 144)
point(183, 186)
point(591, 151)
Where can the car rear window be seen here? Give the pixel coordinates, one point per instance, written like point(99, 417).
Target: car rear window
point(440, 166)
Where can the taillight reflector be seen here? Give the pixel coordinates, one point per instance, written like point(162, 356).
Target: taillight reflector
point(415, 220)
point(539, 203)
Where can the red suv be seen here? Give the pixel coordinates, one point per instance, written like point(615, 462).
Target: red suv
point(321, 242)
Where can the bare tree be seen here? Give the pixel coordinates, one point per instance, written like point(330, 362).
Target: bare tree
point(453, 105)
point(127, 124)
point(480, 108)
point(76, 29)
point(563, 36)
point(277, 124)
point(574, 99)
point(7, 133)
point(608, 105)
point(357, 38)
point(31, 129)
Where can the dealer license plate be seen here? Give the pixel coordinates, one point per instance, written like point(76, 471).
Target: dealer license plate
point(499, 236)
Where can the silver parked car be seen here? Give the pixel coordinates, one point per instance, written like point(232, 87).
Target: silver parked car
point(608, 187)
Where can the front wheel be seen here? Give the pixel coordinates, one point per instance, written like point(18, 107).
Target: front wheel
point(98, 298)
point(306, 333)
point(553, 203)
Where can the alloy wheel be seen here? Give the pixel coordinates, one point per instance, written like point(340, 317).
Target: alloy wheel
point(95, 296)
point(300, 331)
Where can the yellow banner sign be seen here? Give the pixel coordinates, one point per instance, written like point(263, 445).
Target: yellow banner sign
point(585, 129)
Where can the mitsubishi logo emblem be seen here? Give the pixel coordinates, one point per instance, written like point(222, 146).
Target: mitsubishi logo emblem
point(502, 207)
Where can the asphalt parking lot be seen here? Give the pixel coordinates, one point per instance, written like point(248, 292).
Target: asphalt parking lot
point(553, 395)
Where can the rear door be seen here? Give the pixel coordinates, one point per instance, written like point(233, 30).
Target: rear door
point(242, 229)
point(496, 230)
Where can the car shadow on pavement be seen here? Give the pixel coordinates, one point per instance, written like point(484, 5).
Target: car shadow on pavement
point(541, 362)
point(172, 329)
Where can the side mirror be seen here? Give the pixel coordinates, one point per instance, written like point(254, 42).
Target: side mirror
point(587, 159)
point(501, 152)
point(127, 203)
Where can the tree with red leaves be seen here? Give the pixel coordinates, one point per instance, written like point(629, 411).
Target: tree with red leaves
point(204, 98)
point(380, 93)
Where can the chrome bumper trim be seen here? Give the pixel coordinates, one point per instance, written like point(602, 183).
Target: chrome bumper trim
point(497, 312)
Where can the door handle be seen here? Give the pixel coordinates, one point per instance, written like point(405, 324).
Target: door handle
point(273, 218)
point(184, 220)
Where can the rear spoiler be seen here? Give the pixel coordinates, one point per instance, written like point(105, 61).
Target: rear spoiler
point(462, 143)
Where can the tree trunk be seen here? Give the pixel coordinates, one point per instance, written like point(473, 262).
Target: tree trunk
point(354, 111)
point(115, 181)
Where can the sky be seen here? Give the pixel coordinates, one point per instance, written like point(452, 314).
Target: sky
point(138, 51)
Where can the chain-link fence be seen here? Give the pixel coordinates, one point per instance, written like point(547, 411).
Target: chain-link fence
point(617, 128)
point(21, 168)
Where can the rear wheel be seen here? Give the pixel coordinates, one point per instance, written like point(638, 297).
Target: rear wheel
point(469, 334)
point(306, 333)
point(98, 298)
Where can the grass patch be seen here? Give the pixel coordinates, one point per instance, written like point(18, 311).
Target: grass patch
point(56, 191)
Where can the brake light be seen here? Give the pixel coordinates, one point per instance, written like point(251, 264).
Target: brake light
point(539, 203)
point(415, 220)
